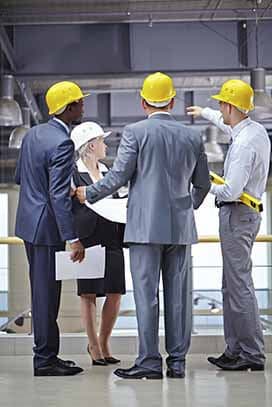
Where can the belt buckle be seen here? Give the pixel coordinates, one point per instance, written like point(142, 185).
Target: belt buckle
point(217, 203)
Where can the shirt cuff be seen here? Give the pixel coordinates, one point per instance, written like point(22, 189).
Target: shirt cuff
point(73, 240)
point(213, 189)
point(89, 194)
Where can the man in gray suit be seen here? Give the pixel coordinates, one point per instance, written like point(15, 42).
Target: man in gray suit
point(161, 158)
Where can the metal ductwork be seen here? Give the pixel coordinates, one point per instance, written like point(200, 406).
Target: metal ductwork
point(212, 148)
point(17, 134)
point(10, 112)
point(262, 101)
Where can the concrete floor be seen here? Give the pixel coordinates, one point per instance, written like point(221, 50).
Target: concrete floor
point(204, 386)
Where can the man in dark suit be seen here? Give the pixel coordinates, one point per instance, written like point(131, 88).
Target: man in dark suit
point(45, 220)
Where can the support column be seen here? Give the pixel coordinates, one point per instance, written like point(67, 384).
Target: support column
point(18, 282)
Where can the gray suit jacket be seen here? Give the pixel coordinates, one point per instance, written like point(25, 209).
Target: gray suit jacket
point(161, 158)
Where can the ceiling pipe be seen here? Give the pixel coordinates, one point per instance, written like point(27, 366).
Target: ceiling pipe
point(262, 101)
point(17, 134)
point(10, 112)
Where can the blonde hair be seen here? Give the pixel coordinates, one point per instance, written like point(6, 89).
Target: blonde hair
point(82, 151)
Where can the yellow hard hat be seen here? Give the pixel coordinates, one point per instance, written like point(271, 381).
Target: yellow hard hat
point(237, 93)
point(62, 94)
point(157, 89)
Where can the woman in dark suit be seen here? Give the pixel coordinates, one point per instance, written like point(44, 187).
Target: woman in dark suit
point(94, 230)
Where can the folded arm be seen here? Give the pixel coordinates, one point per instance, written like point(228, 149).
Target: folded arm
point(236, 176)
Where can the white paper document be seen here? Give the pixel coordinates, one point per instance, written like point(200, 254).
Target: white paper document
point(111, 209)
point(93, 265)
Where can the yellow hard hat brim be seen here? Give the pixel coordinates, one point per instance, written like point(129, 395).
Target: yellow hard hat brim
point(219, 97)
point(60, 107)
point(223, 99)
point(171, 96)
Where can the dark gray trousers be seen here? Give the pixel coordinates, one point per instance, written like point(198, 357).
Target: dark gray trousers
point(146, 262)
point(238, 228)
point(45, 296)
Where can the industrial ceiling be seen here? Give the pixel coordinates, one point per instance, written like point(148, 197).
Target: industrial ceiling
point(62, 12)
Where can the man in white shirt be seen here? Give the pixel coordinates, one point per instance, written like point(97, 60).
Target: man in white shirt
point(245, 170)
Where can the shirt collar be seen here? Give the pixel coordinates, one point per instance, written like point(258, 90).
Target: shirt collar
point(239, 127)
point(158, 112)
point(81, 167)
point(63, 124)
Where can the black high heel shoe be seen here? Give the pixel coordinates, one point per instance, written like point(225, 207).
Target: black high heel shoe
point(111, 360)
point(97, 362)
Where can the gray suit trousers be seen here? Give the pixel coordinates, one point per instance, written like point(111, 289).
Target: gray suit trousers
point(146, 261)
point(239, 226)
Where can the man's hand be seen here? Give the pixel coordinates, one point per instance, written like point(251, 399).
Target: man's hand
point(194, 111)
point(81, 194)
point(78, 252)
point(72, 192)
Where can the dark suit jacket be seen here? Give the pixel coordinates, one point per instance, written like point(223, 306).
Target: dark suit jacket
point(91, 228)
point(44, 170)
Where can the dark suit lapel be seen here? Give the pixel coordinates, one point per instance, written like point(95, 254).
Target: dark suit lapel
point(85, 177)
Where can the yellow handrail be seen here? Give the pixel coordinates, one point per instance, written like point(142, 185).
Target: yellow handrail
point(202, 239)
point(215, 239)
point(11, 240)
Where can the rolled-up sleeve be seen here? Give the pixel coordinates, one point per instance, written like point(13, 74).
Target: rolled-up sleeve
point(237, 175)
point(215, 117)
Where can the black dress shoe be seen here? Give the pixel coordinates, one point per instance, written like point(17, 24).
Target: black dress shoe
point(174, 374)
point(221, 359)
point(68, 363)
point(57, 369)
point(240, 364)
point(111, 360)
point(136, 372)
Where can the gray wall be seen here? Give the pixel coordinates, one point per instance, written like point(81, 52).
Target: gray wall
point(123, 48)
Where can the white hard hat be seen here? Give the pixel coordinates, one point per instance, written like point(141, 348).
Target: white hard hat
point(87, 131)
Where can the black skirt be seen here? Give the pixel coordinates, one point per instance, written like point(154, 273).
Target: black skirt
point(114, 279)
point(108, 234)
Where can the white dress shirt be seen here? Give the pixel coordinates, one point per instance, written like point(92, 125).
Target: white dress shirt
point(247, 161)
point(67, 128)
point(81, 167)
point(159, 112)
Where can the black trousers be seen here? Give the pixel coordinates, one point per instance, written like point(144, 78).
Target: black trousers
point(45, 296)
